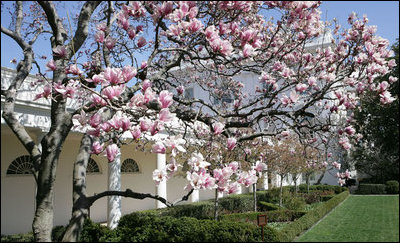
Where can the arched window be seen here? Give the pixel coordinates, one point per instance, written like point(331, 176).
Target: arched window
point(129, 166)
point(92, 167)
point(20, 166)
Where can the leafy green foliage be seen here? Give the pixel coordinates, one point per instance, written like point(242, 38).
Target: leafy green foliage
point(377, 155)
point(371, 189)
point(392, 187)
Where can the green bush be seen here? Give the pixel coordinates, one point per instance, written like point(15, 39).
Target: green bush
point(312, 197)
point(272, 216)
point(27, 237)
point(149, 228)
point(371, 189)
point(266, 206)
point(57, 233)
point(236, 203)
point(292, 202)
point(392, 187)
point(290, 231)
point(325, 198)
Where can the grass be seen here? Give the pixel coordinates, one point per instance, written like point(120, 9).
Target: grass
point(359, 219)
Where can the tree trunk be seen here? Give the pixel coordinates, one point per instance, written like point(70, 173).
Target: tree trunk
point(281, 192)
point(255, 197)
point(80, 209)
point(216, 205)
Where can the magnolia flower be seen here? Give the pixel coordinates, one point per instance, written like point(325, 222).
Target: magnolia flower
point(234, 165)
point(46, 92)
point(218, 128)
point(349, 130)
point(136, 132)
point(110, 42)
point(112, 150)
point(165, 98)
point(386, 97)
point(233, 188)
point(159, 175)
point(79, 119)
point(336, 165)
point(95, 120)
point(165, 115)
point(197, 162)
point(158, 148)
point(301, 87)
point(180, 89)
point(97, 148)
point(145, 85)
point(260, 166)
point(231, 143)
point(113, 75)
point(175, 143)
point(60, 51)
point(99, 36)
point(51, 65)
point(112, 92)
point(141, 42)
point(145, 125)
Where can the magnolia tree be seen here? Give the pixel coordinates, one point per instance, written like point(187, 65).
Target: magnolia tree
point(127, 65)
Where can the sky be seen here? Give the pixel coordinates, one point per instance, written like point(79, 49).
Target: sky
point(383, 14)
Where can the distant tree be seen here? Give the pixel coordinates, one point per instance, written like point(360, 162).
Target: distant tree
point(378, 153)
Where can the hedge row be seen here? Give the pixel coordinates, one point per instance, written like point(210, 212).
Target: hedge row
point(272, 216)
point(391, 187)
point(290, 231)
point(149, 228)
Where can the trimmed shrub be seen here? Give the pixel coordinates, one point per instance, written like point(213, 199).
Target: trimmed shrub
point(236, 203)
point(325, 198)
point(371, 189)
point(312, 197)
point(272, 216)
point(27, 237)
point(392, 187)
point(292, 202)
point(136, 227)
point(266, 206)
point(290, 231)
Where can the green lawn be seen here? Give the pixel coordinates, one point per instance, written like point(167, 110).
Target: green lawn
point(359, 218)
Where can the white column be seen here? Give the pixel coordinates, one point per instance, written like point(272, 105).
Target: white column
point(162, 187)
point(195, 196)
point(114, 184)
point(220, 194)
point(239, 190)
point(265, 177)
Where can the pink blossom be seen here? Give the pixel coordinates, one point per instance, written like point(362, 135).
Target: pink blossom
point(109, 42)
point(113, 75)
point(112, 150)
point(180, 89)
point(233, 188)
point(195, 25)
point(260, 166)
point(46, 92)
point(175, 144)
point(143, 65)
point(60, 51)
point(51, 65)
point(301, 87)
point(231, 143)
point(146, 84)
point(165, 115)
point(234, 165)
point(141, 42)
point(95, 120)
point(197, 162)
point(158, 148)
point(97, 100)
point(159, 175)
point(349, 130)
point(165, 98)
point(285, 133)
point(73, 69)
point(112, 92)
point(131, 33)
point(99, 36)
point(145, 125)
point(386, 97)
point(336, 165)
point(101, 27)
point(248, 50)
point(97, 148)
point(218, 128)
point(128, 73)
point(106, 126)
point(155, 127)
point(136, 132)
point(149, 95)
point(294, 96)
